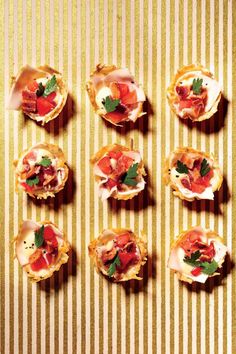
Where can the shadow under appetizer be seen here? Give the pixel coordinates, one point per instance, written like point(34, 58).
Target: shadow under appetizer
point(194, 93)
point(192, 174)
point(41, 170)
point(40, 248)
point(40, 93)
point(115, 95)
point(119, 172)
point(197, 254)
point(118, 254)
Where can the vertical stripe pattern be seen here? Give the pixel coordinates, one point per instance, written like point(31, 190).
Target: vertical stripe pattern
point(77, 310)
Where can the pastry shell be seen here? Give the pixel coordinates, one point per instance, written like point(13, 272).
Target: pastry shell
point(57, 152)
point(42, 72)
point(102, 71)
point(132, 271)
point(116, 147)
point(209, 234)
point(61, 259)
point(167, 180)
point(171, 93)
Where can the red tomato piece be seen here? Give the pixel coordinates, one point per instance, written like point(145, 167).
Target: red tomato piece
point(122, 240)
point(49, 257)
point(105, 165)
point(111, 183)
point(124, 89)
point(44, 106)
point(129, 98)
point(50, 237)
point(51, 97)
point(197, 188)
point(185, 104)
point(126, 259)
point(26, 186)
point(33, 86)
point(185, 182)
point(182, 91)
point(37, 261)
point(115, 154)
point(196, 271)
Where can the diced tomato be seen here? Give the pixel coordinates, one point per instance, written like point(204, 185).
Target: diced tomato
point(33, 86)
point(37, 261)
point(111, 183)
point(185, 104)
point(124, 89)
point(197, 188)
point(129, 98)
point(122, 240)
point(126, 259)
point(196, 271)
point(105, 165)
point(115, 90)
point(26, 186)
point(185, 182)
point(115, 154)
point(127, 161)
point(116, 117)
point(50, 237)
point(44, 106)
point(51, 97)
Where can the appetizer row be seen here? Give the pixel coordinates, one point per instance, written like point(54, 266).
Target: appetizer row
point(41, 249)
point(41, 93)
point(41, 171)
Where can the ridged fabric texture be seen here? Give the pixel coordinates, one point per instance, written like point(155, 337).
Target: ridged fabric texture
point(78, 311)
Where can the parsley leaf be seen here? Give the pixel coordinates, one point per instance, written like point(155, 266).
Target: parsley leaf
point(131, 174)
point(181, 167)
point(32, 181)
point(40, 90)
point(112, 268)
point(45, 162)
point(38, 239)
point(205, 168)
point(51, 86)
point(110, 104)
point(197, 86)
point(209, 268)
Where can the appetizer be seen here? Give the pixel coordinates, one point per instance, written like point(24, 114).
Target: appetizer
point(115, 95)
point(41, 170)
point(119, 172)
point(194, 93)
point(118, 254)
point(192, 174)
point(39, 92)
point(40, 248)
point(197, 254)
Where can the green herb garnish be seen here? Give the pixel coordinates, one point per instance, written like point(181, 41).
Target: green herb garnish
point(181, 167)
point(32, 181)
point(110, 104)
point(197, 86)
point(40, 90)
point(45, 162)
point(131, 174)
point(112, 268)
point(205, 168)
point(38, 239)
point(51, 86)
point(208, 268)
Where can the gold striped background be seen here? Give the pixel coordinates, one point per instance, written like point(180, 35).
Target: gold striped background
point(78, 311)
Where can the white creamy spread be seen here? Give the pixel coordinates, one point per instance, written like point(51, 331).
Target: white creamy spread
point(212, 86)
point(177, 255)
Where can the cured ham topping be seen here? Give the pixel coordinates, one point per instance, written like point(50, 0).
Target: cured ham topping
point(197, 251)
point(192, 100)
point(115, 165)
point(38, 98)
point(122, 255)
point(198, 175)
point(45, 255)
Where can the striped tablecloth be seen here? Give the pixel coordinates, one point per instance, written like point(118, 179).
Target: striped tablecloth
point(78, 311)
